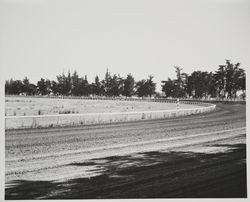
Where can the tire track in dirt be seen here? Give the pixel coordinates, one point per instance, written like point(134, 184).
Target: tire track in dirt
point(81, 137)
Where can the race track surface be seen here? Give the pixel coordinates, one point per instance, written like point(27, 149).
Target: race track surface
point(198, 156)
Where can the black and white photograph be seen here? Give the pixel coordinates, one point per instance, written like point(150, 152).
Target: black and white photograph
point(124, 99)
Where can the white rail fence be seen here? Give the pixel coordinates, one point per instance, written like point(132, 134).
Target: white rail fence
point(18, 122)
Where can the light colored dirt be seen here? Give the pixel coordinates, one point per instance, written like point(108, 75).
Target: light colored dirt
point(75, 154)
point(50, 166)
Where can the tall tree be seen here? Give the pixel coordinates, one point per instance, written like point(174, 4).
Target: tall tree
point(76, 87)
point(228, 78)
point(198, 84)
point(13, 87)
point(48, 86)
point(64, 84)
point(44, 87)
point(98, 87)
point(233, 76)
point(26, 85)
point(129, 85)
point(141, 89)
point(54, 88)
point(116, 85)
point(242, 82)
point(145, 87)
point(168, 87)
point(9, 90)
point(28, 88)
point(32, 89)
point(150, 86)
point(106, 82)
point(84, 86)
point(179, 82)
point(220, 81)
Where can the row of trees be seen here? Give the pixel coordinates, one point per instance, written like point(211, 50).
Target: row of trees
point(227, 80)
point(111, 85)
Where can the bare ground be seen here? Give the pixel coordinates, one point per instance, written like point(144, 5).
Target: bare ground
point(200, 156)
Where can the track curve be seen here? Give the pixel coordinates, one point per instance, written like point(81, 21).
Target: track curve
point(126, 160)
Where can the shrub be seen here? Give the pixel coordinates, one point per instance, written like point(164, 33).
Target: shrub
point(64, 112)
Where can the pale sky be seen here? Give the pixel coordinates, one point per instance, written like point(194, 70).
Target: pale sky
point(41, 38)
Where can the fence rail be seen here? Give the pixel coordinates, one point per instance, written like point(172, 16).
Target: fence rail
point(17, 122)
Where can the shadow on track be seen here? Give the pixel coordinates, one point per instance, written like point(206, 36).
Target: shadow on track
point(149, 175)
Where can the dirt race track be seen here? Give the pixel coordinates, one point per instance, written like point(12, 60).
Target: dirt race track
point(186, 157)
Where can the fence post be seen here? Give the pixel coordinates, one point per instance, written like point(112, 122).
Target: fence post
point(178, 104)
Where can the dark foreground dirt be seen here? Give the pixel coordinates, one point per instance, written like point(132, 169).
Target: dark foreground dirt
point(210, 166)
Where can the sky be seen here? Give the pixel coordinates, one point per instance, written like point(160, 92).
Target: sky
point(43, 38)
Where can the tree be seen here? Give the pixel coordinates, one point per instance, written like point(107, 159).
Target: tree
point(13, 87)
point(48, 86)
point(150, 86)
point(68, 84)
point(176, 88)
point(84, 86)
point(229, 79)
point(198, 84)
point(180, 82)
point(234, 74)
point(220, 81)
point(112, 85)
point(242, 83)
point(168, 87)
point(99, 88)
point(230, 85)
point(76, 87)
point(54, 88)
point(32, 89)
point(107, 83)
point(61, 80)
point(145, 87)
point(129, 85)
point(41, 86)
point(28, 88)
point(9, 90)
point(141, 88)
point(96, 88)
point(210, 83)
point(44, 87)
point(64, 84)
point(241, 80)
point(115, 86)
point(25, 86)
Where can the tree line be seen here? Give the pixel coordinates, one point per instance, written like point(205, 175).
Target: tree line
point(225, 82)
point(111, 85)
